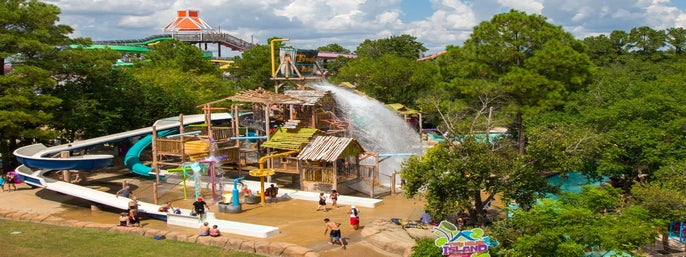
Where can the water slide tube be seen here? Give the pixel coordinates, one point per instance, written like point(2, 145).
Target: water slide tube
point(132, 158)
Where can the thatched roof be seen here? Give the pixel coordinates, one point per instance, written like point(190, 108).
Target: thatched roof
point(290, 139)
point(330, 148)
point(402, 109)
point(260, 96)
point(308, 97)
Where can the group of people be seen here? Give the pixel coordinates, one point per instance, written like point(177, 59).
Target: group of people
point(9, 179)
point(206, 230)
point(131, 216)
point(334, 228)
point(322, 200)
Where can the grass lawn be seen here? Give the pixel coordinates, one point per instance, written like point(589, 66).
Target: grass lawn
point(21, 238)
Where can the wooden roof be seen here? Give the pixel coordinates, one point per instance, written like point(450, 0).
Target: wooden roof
point(260, 96)
point(290, 139)
point(330, 148)
point(308, 97)
point(402, 109)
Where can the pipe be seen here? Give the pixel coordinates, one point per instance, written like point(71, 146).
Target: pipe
point(261, 162)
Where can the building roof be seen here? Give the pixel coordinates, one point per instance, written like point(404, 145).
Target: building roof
point(402, 109)
point(259, 96)
point(187, 21)
point(330, 148)
point(290, 139)
point(308, 97)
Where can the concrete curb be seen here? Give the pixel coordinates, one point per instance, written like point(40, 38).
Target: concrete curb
point(266, 248)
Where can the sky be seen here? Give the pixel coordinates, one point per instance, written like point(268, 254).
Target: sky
point(309, 24)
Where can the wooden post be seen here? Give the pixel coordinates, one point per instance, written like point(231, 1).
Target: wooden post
point(155, 164)
point(154, 192)
point(393, 183)
point(66, 176)
point(375, 173)
point(335, 175)
point(267, 126)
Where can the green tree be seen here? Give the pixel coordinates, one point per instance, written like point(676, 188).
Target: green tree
point(646, 40)
point(405, 46)
point(333, 48)
point(575, 225)
point(452, 177)
point(676, 39)
point(664, 198)
point(88, 86)
point(333, 66)
point(252, 69)
point(389, 78)
point(535, 64)
point(175, 78)
point(29, 36)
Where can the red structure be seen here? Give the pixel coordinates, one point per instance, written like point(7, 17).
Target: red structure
point(187, 21)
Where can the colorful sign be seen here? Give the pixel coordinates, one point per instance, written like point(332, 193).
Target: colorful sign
point(303, 60)
point(462, 243)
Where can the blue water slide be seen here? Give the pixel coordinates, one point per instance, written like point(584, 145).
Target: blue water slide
point(132, 158)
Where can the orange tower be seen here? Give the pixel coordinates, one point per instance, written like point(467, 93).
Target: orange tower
point(187, 21)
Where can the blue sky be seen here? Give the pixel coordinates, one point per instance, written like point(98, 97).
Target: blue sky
point(313, 23)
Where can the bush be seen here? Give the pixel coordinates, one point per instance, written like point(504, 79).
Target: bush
point(425, 247)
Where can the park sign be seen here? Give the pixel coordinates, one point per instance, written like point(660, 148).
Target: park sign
point(305, 61)
point(462, 243)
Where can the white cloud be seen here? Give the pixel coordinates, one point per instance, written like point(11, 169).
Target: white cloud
point(313, 23)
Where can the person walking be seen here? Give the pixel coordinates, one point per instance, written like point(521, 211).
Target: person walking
point(199, 207)
point(334, 230)
point(354, 217)
point(322, 202)
point(334, 199)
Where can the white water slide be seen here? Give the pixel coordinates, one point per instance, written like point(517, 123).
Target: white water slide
point(37, 159)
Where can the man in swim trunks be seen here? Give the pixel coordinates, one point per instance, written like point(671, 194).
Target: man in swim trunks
point(335, 233)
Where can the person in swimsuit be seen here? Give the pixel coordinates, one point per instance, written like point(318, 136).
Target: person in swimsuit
point(354, 217)
point(334, 199)
point(124, 219)
point(322, 202)
point(204, 230)
point(334, 230)
point(134, 220)
point(214, 231)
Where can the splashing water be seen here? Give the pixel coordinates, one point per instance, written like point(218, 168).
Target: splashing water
point(377, 128)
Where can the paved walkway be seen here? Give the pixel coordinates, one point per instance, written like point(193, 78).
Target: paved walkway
point(297, 219)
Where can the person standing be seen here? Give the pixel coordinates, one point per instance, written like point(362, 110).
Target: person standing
point(334, 199)
point(272, 192)
point(334, 230)
point(322, 202)
point(11, 180)
point(2, 181)
point(354, 217)
point(199, 207)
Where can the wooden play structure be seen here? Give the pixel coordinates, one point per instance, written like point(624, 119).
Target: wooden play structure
point(296, 67)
